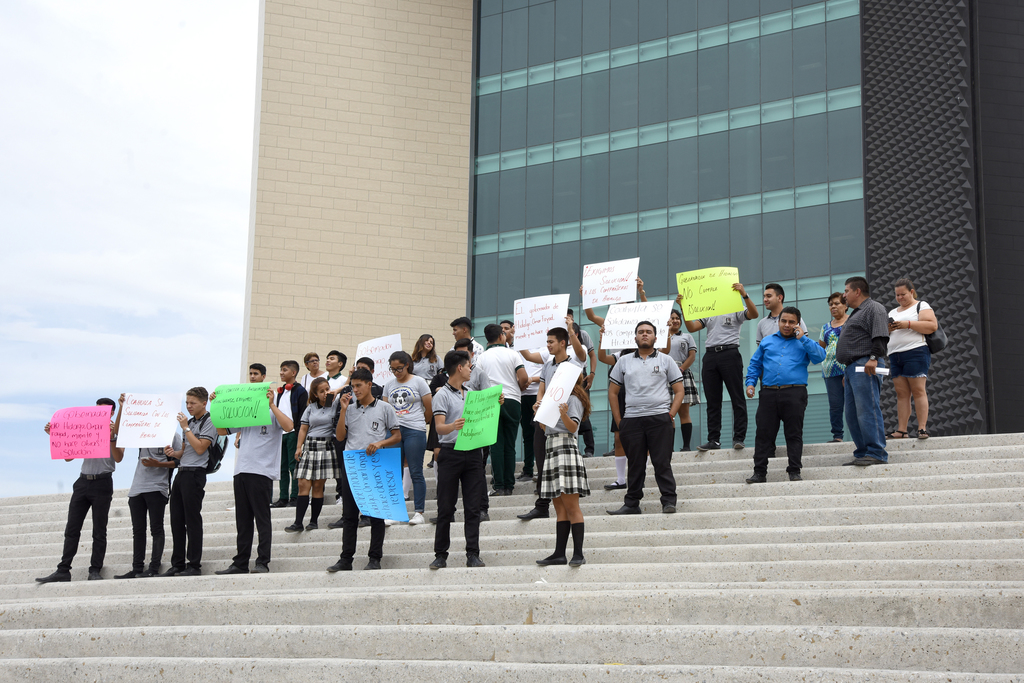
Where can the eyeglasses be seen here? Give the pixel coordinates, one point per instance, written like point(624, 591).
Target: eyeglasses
point(397, 370)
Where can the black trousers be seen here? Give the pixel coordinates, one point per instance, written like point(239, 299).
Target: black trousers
point(455, 468)
point(85, 494)
point(539, 441)
point(350, 525)
point(187, 493)
point(774, 406)
point(586, 431)
point(526, 423)
point(253, 493)
point(149, 505)
point(724, 367)
point(640, 436)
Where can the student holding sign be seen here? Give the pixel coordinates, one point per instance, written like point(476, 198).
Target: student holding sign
point(504, 366)
point(94, 490)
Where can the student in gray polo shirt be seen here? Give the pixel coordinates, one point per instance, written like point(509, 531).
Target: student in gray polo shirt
point(723, 364)
point(654, 392)
point(368, 424)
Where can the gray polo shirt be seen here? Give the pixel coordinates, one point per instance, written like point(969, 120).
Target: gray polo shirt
point(647, 381)
point(260, 450)
point(101, 465)
point(723, 329)
point(426, 368)
point(680, 346)
point(407, 400)
point(368, 424)
point(478, 379)
point(153, 479)
point(575, 413)
point(768, 325)
point(319, 421)
point(867, 321)
point(449, 401)
point(189, 457)
point(548, 371)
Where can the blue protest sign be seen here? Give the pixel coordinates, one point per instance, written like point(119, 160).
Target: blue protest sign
point(376, 483)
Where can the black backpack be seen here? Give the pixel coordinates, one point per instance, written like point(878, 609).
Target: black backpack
point(216, 451)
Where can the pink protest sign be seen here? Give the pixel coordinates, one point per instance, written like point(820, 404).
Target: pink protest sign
point(80, 433)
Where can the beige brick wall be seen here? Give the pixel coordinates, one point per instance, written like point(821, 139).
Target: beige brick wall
point(361, 183)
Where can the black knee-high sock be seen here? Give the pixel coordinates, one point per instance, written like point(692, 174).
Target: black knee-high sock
point(561, 537)
point(316, 506)
point(687, 431)
point(300, 508)
point(577, 539)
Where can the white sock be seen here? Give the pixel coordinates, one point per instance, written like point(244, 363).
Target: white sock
point(620, 469)
point(406, 482)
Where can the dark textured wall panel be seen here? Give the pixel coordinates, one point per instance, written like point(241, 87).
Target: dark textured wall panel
point(919, 189)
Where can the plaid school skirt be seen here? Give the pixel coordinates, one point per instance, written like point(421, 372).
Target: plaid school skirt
point(690, 394)
point(319, 461)
point(563, 471)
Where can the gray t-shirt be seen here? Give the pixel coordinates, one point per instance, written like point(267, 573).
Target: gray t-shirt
point(368, 424)
point(723, 329)
point(101, 465)
point(153, 479)
point(426, 368)
point(680, 346)
point(320, 421)
point(448, 401)
point(575, 412)
point(867, 321)
point(189, 457)
point(260, 450)
point(767, 326)
point(647, 381)
point(407, 400)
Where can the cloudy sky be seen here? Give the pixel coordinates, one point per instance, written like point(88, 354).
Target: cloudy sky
point(125, 175)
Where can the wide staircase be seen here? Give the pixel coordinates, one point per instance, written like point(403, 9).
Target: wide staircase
point(912, 571)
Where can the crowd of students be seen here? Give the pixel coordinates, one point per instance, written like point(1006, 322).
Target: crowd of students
point(315, 418)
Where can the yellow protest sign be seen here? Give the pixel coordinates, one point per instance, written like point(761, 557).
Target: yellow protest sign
point(708, 292)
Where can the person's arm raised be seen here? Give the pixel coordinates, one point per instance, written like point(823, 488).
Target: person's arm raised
point(691, 325)
point(283, 420)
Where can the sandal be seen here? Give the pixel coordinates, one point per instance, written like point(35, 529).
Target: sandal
point(922, 434)
point(893, 433)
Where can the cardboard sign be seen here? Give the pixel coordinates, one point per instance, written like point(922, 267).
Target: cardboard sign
point(240, 405)
point(376, 483)
point(708, 292)
point(535, 316)
point(621, 320)
point(80, 433)
point(612, 282)
point(557, 393)
point(148, 420)
point(380, 350)
point(481, 414)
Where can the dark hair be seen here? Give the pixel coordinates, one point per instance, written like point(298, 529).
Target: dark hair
point(492, 333)
point(645, 322)
point(778, 290)
point(857, 282)
point(107, 402)
point(199, 392)
point(792, 310)
point(454, 359)
point(507, 322)
point(293, 364)
point(675, 311)
point(466, 343)
point(310, 356)
point(259, 367)
point(361, 374)
point(836, 295)
point(579, 392)
point(462, 322)
point(313, 386)
point(904, 282)
point(402, 357)
point(367, 361)
point(340, 356)
point(560, 334)
point(569, 312)
point(419, 353)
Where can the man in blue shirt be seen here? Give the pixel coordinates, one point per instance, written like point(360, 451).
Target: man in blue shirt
point(780, 362)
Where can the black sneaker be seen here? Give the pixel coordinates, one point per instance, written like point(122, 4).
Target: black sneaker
point(474, 561)
point(372, 564)
point(57, 576)
point(94, 575)
point(337, 524)
point(757, 479)
point(738, 445)
point(280, 503)
point(710, 446)
point(341, 566)
point(525, 476)
point(128, 575)
point(293, 528)
point(438, 563)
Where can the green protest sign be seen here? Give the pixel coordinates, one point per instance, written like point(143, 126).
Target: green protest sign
point(481, 415)
point(708, 292)
point(240, 405)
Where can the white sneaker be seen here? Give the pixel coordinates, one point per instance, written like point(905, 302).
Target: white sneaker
point(391, 522)
point(417, 518)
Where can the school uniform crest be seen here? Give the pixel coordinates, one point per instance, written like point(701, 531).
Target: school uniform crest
point(263, 430)
point(656, 370)
point(375, 426)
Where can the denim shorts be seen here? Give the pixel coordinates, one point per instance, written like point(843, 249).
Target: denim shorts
point(910, 364)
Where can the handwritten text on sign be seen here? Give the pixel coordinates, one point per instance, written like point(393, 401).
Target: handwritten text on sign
point(557, 393)
point(708, 292)
point(612, 282)
point(535, 316)
point(149, 420)
point(240, 405)
point(481, 415)
point(376, 483)
point(621, 320)
point(80, 433)
point(380, 351)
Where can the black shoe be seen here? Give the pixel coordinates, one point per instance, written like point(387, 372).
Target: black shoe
point(484, 517)
point(364, 522)
point(190, 571)
point(525, 476)
point(341, 566)
point(129, 575)
point(433, 520)
point(312, 526)
point(551, 559)
point(439, 563)
point(474, 561)
point(150, 573)
point(609, 454)
point(94, 575)
point(710, 446)
point(293, 502)
point(795, 476)
point(614, 486)
point(588, 454)
point(668, 509)
point(169, 573)
point(535, 513)
point(738, 445)
point(293, 528)
point(865, 461)
point(757, 479)
point(57, 576)
point(280, 503)
point(625, 510)
point(577, 560)
point(232, 569)
point(337, 524)
point(372, 564)
point(261, 569)
point(430, 465)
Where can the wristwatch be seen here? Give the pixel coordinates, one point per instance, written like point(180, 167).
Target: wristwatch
point(187, 429)
point(872, 357)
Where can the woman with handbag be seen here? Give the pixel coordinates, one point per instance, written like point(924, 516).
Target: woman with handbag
point(909, 356)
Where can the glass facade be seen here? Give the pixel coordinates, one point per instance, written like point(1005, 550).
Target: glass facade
point(690, 133)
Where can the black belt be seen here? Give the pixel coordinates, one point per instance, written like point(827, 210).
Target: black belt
point(784, 386)
point(93, 477)
point(724, 347)
point(191, 469)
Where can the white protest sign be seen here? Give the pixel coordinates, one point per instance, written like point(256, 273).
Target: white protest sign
point(535, 316)
point(380, 350)
point(556, 393)
point(148, 420)
point(612, 282)
point(620, 323)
